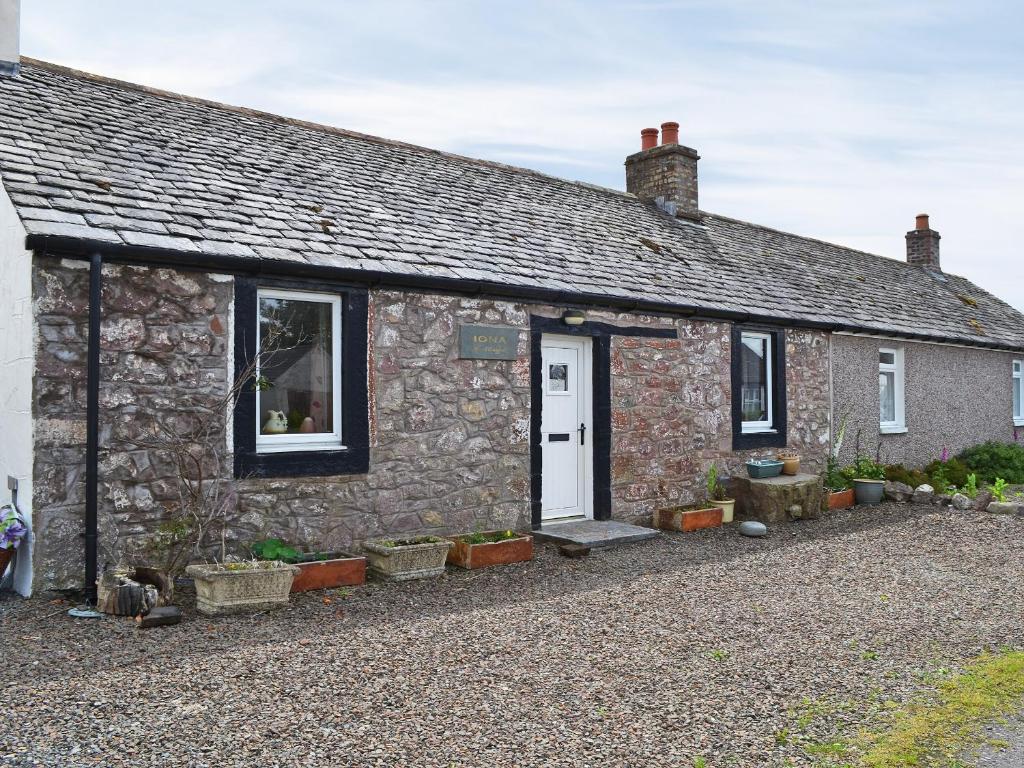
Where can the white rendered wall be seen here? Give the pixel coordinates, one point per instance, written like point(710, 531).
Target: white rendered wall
point(17, 345)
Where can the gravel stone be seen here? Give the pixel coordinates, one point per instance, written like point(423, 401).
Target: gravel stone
point(687, 645)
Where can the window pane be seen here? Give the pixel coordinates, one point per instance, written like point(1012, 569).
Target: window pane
point(296, 367)
point(558, 377)
point(754, 378)
point(887, 395)
point(887, 358)
point(1018, 384)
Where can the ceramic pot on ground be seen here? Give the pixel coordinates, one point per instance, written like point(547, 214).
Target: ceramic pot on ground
point(868, 491)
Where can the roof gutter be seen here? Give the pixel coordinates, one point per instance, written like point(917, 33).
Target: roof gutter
point(75, 248)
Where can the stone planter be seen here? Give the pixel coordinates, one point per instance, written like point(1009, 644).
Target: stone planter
point(340, 570)
point(220, 591)
point(403, 561)
point(683, 519)
point(868, 491)
point(470, 556)
point(841, 499)
point(728, 507)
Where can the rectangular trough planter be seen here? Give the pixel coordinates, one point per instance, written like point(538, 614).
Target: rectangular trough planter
point(339, 570)
point(683, 519)
point(841, 499)
point(220, 591)
point(400, 561)
point(471, 556)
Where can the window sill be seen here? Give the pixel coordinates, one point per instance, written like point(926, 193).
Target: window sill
point(760, 431)
point(1018, 422)
point(893, 430)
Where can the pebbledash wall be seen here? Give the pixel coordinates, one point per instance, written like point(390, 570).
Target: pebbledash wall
point(955, 397)
point(449, 437)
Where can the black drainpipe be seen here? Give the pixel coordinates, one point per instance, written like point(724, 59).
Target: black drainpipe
point(92, 425)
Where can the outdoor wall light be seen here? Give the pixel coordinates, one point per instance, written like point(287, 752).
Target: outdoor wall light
point(574, 317)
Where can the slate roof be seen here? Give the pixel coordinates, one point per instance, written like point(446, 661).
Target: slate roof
point(90, 158)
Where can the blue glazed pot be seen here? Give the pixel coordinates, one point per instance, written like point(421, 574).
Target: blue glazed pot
point(868, 491)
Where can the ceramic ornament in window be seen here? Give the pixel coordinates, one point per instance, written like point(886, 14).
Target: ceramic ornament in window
point(276, 423)
point(308, 426)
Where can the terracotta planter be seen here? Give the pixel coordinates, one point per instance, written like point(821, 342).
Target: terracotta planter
point(682, 519)
point(341, 570)
point(220, 592)
point(841, 499)
point(408, 561)
point(470, 556)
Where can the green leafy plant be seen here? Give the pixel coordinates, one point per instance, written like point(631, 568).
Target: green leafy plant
point(411, 542)
point(991, 460)
point(897, 473)
point(864, 468)
point(944, 474)
point(275, 549)
point(970, 488)
point(479, 537)
point(716, 489)
point(999, 489)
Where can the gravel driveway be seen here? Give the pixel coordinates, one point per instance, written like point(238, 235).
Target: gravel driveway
point(698, 645)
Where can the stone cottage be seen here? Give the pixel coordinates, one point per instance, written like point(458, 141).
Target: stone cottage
point(462, 344)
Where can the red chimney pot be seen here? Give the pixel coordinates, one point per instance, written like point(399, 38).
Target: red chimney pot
point(670, 133)
point(648, 138)
point(922, 221)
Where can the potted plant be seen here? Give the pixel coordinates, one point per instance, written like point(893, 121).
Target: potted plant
point(718, 496)
point(241, 586)
point(403, 559)
point(481, 549)
point(761, 469)
point(790, 462)
point(12, 531)
point(317, 570)
point(693, 517)
point(868, 478)
point(840, 490)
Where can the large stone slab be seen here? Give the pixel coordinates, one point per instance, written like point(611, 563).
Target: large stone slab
point(593, 533)
point(777, 499)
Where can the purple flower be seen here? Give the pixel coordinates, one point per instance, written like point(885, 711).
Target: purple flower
point(12, 531)
point(945, 454)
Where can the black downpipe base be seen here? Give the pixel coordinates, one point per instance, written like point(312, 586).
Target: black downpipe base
point(92, 424)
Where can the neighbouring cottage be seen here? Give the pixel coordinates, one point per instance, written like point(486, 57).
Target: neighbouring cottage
point(468, 344)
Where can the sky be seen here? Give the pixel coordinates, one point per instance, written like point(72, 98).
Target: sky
point(835, 120)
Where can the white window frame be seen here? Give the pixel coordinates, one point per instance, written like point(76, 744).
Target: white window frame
point(768, 425)
point(899, 424)
point(325, 441)
point(1018, 385)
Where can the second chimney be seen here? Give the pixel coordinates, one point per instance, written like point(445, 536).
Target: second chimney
point(923, 245)
point(665, 174)
point(10, 31)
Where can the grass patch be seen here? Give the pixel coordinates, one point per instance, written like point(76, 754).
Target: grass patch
point(933, 733)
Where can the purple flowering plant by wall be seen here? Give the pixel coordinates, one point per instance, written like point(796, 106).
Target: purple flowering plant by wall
point(12, 528)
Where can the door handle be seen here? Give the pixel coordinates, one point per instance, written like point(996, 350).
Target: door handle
point(583, 434)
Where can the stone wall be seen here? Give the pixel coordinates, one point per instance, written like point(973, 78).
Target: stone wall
point(449, 438)
point(956, 397)
point(671, 414)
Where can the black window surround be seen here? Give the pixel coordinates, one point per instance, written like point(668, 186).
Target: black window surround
point(776, 437)
point(354, 458)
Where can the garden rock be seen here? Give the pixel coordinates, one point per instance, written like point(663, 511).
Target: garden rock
point(754, 529)
point(898, 491)
point(982, 500)
point(1006, 508)
point(924, 494)
point(961, 501)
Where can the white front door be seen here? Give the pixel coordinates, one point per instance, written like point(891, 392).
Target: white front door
point(566, 437)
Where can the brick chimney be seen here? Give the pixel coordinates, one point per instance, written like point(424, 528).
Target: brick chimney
point(923, 245)
point(10, 31)
point(666, 173)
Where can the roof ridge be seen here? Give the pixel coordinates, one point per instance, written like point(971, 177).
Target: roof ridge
point(306, 124)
